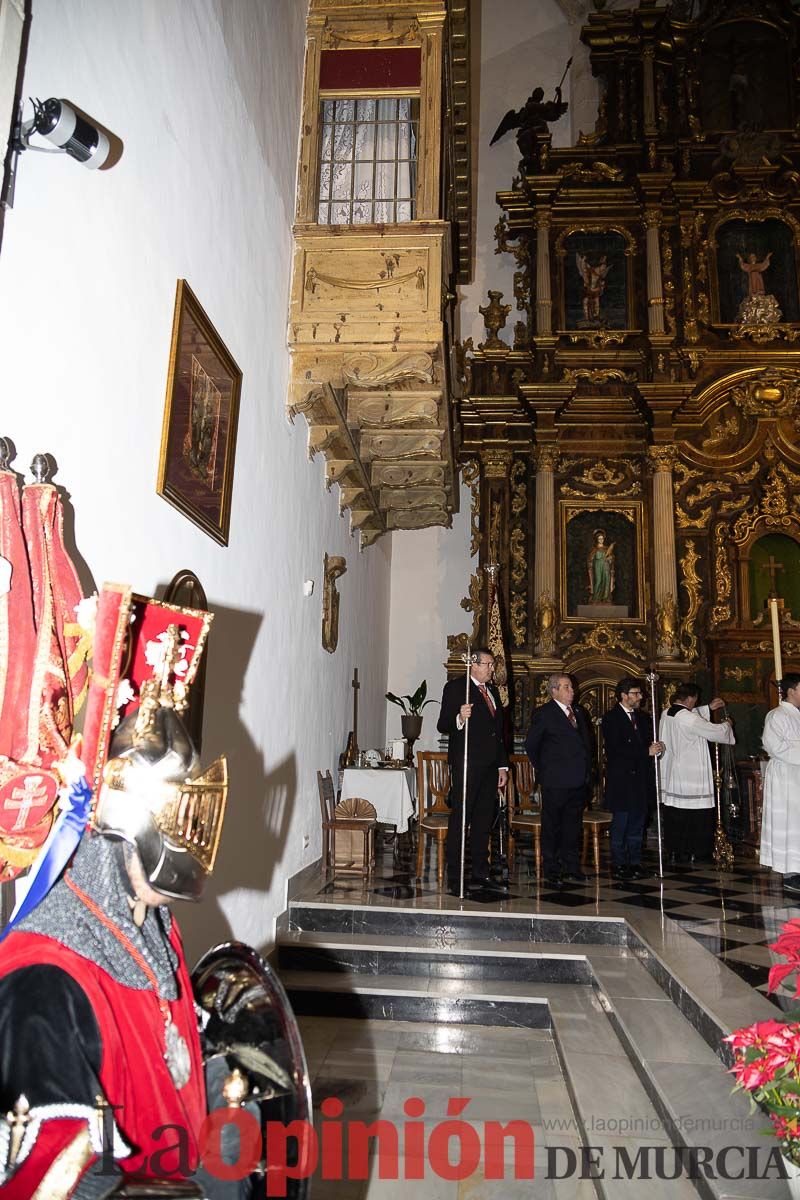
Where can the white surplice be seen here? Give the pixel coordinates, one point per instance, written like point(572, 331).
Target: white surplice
point(686, 777)
point(780, 820)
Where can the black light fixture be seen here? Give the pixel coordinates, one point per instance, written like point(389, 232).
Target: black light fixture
point(68, 130)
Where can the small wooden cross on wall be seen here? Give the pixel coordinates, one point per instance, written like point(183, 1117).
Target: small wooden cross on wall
point(773, 567)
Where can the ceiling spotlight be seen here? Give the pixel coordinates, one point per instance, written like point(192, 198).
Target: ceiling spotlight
point(58, 122)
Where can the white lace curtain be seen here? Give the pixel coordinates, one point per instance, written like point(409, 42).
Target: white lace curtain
point(368, 161)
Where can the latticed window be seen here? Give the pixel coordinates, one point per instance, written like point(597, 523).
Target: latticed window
point(368, 160)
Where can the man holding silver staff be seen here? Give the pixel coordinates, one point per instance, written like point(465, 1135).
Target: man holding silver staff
point(780, 824)
point(687, 782)
point(486, 763)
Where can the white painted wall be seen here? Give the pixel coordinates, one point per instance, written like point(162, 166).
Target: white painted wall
point(205, 95)
point(430, 574)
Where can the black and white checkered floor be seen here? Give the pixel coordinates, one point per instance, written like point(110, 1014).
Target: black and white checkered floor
point(734, 914)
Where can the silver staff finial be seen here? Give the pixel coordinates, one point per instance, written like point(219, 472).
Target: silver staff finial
point(40, 468)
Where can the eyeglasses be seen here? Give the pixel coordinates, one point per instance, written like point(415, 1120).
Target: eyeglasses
point(484, 662)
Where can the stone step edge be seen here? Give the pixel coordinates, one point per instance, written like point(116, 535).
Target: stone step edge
point(444, 914)
point(462, 949)
point(330, 982)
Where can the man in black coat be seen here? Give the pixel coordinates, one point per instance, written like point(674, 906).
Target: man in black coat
point(487, 766)
point(630, 751)
point(559, 746)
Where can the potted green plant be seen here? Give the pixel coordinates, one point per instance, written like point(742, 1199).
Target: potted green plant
point(412, 706)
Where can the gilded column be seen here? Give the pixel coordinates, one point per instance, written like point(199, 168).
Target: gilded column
point(544, 567)
point(544, 303)
point(665, 583)
point(655, 287)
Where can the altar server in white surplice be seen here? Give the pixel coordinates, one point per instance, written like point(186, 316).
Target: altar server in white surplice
point(687, 782)
point(780, 823)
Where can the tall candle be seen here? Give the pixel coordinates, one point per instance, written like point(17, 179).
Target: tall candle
point(776, 643)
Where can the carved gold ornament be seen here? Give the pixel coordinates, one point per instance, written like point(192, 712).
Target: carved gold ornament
point(773, 392)
point(662, 458)
point(691, 584)
point(546, 458)
point(383, 280)
point(736, 673)
point(494, 316)
point(496, 463)
point(722, 431)
point(471, 474)
point(697, 522)
point(666, 618)
point(519, 497)
point(519, 564)
point(518, 621)
point(721, 611)
point(545, 620)
point(595, 173)
point(603, 480)
point(599, 338)
point(774, 508)
point(603, 638)
point(598, 375)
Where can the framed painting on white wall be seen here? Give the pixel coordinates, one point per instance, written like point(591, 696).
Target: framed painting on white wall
point(198, 437)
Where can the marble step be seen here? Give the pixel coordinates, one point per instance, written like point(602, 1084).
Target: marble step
point(661, 1094)
point(433, 924)
point(463, 960)
point(399, 998)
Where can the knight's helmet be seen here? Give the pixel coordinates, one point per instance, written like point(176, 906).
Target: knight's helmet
point(140, 761)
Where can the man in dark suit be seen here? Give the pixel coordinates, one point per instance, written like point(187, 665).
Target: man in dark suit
point(630, 751)
point(487, 766)
point(559, 746)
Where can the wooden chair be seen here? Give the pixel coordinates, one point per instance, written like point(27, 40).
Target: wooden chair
point(433, 785)
point(525, 810)
point(596, 824)
point(345, 823)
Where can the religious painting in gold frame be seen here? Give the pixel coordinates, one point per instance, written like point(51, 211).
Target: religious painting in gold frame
point(595, 277)
point(201, 412)
point(602, 561)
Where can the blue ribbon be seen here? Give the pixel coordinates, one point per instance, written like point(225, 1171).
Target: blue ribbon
point(62, 841)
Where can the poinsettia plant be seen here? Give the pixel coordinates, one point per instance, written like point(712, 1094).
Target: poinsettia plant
point(416, 702)
point(767, 1054)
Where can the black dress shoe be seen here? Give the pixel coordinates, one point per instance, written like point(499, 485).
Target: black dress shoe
point(488, 885)
point(553, 877)
point(620, 874)
point(574, 877)
point(637, 871)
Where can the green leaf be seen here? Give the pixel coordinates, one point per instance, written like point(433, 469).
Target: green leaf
point(390, 696)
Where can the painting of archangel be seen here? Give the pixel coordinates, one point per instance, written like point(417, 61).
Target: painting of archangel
point(595, 281)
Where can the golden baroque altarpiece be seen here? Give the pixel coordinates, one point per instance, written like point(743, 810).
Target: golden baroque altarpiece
point(631, 435)
point(638, 433)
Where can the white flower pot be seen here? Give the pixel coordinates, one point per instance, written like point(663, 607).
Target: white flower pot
point(793, 1177)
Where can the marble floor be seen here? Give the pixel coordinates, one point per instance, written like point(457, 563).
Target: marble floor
point(734, 914)
point(640, 982)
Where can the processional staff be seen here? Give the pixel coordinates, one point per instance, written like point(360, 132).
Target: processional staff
point(652, 679)
point(468, 660)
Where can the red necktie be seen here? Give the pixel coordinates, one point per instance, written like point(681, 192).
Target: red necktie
point(489, 701)
point(573, 720)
